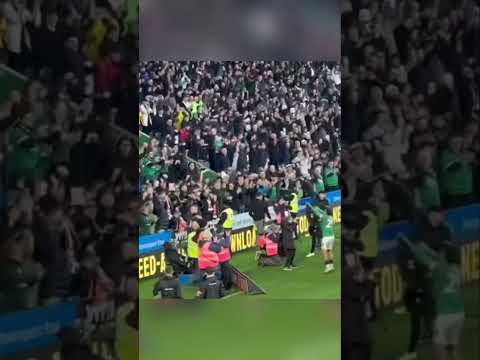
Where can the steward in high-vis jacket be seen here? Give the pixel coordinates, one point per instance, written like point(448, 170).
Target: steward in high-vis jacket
point(224, 257)
point(294, 205)
point(192, 250)
point(226, 219)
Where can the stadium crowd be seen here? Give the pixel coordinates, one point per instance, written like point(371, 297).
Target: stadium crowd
point(264, 128)
point(248, 137)
point(69, 158)
point(411, 102)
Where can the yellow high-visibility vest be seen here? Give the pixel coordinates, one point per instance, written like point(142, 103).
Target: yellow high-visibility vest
point(294, 205)
point(228, 224)
point(192, 247)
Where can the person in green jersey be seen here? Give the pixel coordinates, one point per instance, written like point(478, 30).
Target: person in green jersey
point(197, 108)
point(330, 175)
point(147, 219)
point(449, 305)
point(325, 222)
point(456, 173)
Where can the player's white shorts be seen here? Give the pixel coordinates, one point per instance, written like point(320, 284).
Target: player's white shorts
point(328, 242)
point(448, 329)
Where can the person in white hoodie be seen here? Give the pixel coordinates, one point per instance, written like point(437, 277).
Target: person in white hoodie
point(18, 37)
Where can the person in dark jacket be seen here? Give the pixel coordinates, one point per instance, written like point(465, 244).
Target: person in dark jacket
point(212, 287)
point(356, 337)
point(433, 229)
point(51, 251)
point(179, 266)
point(258, 210)
point(161, 210)
point(315, 233)
point(289, 230)
point(258, 157)
point(284, 152)
point(203, 154)
point(274, 152)
point(417, 296)
point(168, 286)
point(242, 162)
point(221, 161)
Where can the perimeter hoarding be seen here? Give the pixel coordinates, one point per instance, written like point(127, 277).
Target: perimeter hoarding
point(464, 224)
point(334, 200)
point(152, 258)
point(244, 237)
point(150, 266)
point(152, 244)
point(35, 330)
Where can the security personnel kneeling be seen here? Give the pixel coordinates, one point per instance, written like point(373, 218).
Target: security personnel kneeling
point(267, 254)
point(168, 286)
point(212, 287)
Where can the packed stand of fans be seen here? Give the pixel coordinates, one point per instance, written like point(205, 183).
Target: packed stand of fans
point(71, 225)
point(411, 102)
point(266, 129)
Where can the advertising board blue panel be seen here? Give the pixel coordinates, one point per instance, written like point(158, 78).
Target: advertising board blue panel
point(334, 198)
point(35, 329)
point(464, 224)
point(151, 244)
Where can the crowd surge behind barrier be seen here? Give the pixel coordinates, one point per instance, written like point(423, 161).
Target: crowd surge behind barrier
point(244, 237)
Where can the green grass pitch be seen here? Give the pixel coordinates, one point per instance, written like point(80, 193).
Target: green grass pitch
point(290, 322)
point(240, 330)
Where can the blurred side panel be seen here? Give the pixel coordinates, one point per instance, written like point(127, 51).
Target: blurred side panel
point(240, 30)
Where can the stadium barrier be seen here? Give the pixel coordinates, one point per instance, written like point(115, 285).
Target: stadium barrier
point(35, 334)
point(32, 334)
point(334, 199)
point(244, 237)
point(464, 224)
point(151, 259)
